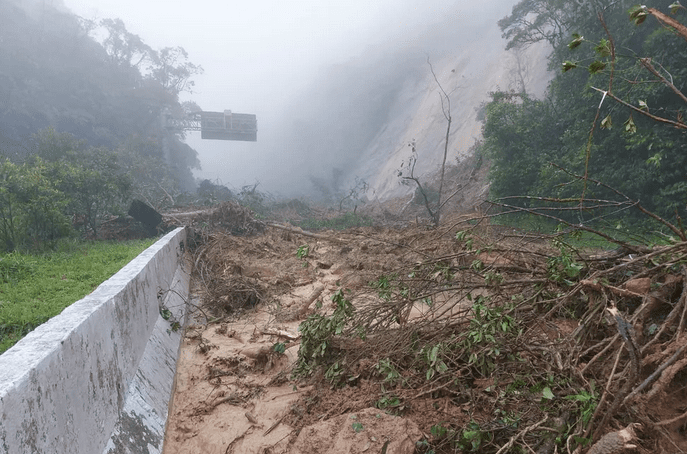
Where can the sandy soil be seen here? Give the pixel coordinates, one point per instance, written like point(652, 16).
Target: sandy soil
point(234, 392)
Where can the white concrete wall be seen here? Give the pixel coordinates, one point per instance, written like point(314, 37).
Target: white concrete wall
point(97, 378)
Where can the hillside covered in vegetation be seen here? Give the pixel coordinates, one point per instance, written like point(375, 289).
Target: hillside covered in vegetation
point(81, 129)
point(609, 135)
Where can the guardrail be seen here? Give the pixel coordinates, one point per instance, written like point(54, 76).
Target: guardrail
point(98, 377)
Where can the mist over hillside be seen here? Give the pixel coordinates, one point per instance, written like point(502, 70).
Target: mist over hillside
point(91, 79)
point(357, 118)
point(346, 114)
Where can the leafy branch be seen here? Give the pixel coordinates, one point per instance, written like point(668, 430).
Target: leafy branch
point(606, 48)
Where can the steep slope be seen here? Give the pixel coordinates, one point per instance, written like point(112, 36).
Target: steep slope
point(467, 75)
point(358, 118)
point(92, 79)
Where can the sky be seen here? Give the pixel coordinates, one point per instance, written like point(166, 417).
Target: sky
point(257, 55)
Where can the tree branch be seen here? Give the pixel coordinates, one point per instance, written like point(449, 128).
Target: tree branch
point(678, 125)
point(447, 115)
point(669, 21)
point(646, 62)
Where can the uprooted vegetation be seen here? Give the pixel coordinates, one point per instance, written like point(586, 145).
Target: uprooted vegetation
point(490, 339)
point(517, 343)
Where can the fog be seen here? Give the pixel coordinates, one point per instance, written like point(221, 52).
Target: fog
point(320, 76)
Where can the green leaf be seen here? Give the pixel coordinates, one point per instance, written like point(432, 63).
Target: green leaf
point(547, 394)
point(630, 126)
point(573, 270)
point(674, 7)
point(433, 354)
point(568, 65)
point(604, 48)
point(597, 66)
point(638, 14)
point(643, 105)
point(438, 431)
point(655, 160)
point(471, 434)
point(606, 123)
point(577, 40)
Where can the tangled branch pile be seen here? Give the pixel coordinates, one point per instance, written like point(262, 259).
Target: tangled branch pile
point(215, 229)
point(229, 217)
point(519, 342)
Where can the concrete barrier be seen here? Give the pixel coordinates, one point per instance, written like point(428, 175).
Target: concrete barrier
point(98, 377)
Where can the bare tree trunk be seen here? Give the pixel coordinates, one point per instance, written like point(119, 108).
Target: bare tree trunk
point(446, 109)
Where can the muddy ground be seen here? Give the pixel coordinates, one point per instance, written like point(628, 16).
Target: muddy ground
point(234, 393)
point(464, 338)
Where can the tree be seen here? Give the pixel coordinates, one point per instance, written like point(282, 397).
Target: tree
point(651, 97)
point(642, 158)
point(95, 185)
point(519, 138)
point(433, 207)
point(104, 88)
point(32, 208)
point(124, 48)
point(43, 204)
point(532, 21)
point(152, 179)
point(171, 68)
point(10, 179)
point(90, 178)
point(54, 146)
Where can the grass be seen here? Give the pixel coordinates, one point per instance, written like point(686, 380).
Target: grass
point(629, 230)
point(36, 287)
point(342, 222)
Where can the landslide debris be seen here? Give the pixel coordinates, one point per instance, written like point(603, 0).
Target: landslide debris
point(485, 338)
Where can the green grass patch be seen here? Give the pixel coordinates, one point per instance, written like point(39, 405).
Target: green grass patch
point(36, 287)
point(628, 230)
point(342, 222)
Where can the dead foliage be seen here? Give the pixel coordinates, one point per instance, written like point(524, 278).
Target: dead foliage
point(121, 228)
point(491, 339)
point(226, 290)
point(502, 340)
point(233, 293)
point(227, 217)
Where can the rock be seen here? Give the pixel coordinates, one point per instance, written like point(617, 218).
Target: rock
point(640, 286)
point(368, 430)
point(146, 216)
point(616, 442)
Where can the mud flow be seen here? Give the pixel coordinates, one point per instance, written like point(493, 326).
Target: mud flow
point(468, 337)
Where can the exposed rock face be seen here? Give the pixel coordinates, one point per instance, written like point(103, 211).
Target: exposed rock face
point(357, 118)
point(467, 76)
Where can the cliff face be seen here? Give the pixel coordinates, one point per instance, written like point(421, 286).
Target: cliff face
point(467, 75)
point(359, 118)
